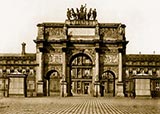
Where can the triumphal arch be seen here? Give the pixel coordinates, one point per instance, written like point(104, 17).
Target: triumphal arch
point(81, 56)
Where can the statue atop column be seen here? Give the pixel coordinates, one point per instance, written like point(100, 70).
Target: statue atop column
point(94, 13)
point(81, 13)
point(69, 14)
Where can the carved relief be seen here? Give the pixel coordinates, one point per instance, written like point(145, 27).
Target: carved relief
point(111, 59)
point(54, 32)
point(81, 22)
point(55, 58)
point(40, 32)
point(109, 32)
point(90, 52)
point(97, 30)
point(78, 50)
point(113, 69)
point(57, 68)
point(57, 50)
point(121, 30)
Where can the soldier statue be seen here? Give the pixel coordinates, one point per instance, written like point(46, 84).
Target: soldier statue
point(82, 8)
point(94, 13)
point(82, 12)
point(68, 14)
point(74, 15)
point(89, 14)
point(78, 13)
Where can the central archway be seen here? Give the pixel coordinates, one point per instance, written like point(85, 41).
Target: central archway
point(81, 71)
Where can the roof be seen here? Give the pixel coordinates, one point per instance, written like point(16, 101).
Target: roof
point(142, 57)
point(79, 23)
point(9, 56)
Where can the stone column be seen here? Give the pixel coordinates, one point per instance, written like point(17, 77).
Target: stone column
point(97, 63)
point(64, 64)
point(96, 81)
point(39, 59)
point(120, 67)
point(40, 74)
point(120, 82)
point(63, 87)
point(69, 82)
point(63, 81)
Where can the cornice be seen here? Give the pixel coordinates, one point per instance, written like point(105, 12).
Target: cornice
point(5, 64)
point(50, 24)
point(78, 23)
point(139, 57)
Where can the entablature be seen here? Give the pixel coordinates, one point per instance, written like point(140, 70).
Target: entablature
point(8, 57)
point(50, 24)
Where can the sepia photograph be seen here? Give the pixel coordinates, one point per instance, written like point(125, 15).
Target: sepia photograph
point(79, 57)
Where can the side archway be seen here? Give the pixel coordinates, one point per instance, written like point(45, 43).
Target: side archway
point(53, 86)
point(108, 83)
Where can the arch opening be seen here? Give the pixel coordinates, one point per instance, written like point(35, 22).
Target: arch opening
point(81, 72)
point(108, 83)
point(53, 86)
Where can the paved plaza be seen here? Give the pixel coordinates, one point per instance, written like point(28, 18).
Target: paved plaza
point(78, 105)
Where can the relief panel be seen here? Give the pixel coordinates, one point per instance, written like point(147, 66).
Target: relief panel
point(53, 33)
point(55, 58)
point(111, 59)
point(40, 32)
point(111, 33)
point(90, 52)
point(58, 68)
point(113, 69)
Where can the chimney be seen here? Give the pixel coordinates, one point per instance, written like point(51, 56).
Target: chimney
point(23, 48)
point(154, 52)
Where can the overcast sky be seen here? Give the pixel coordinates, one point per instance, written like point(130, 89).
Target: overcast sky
point(18, 20)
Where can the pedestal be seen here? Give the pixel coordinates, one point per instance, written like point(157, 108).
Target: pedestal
point(142, 88)
point(97, 89)
point(63, 89)
point(39, 88)
point(120, 89)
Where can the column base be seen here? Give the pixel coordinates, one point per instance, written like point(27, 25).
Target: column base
point(63, 89)
point(120, 89)
point(40, 88)
point(97, 89)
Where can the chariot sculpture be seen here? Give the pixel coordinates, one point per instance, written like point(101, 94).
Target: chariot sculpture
point(81, 13)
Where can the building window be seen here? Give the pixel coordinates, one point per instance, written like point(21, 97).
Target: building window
point(157, 85)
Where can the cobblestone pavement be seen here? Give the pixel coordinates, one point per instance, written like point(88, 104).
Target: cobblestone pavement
point(78, 105)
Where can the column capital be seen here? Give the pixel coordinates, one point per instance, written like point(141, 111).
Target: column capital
point(42, 50)
point(120, 50)
point(97, 49)
point(64, 49)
